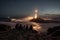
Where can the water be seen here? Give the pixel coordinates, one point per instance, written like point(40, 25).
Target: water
point(36, 26)
point(43, 27)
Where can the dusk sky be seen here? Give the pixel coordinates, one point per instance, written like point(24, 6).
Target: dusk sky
point(26, 7)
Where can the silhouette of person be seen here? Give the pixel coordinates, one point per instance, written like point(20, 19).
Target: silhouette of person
point(31, 28)
point(19, 27)
point(26, 27)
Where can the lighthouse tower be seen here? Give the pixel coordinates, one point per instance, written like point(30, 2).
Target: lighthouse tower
point(35, 14)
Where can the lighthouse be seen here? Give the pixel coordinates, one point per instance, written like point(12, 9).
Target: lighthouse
point(35, 14)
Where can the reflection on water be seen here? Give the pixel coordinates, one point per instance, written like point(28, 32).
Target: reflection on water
point(42, 27)
point(36, 26)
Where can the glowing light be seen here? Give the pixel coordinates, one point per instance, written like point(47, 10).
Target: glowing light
point(35, 16)
point(28, 18)
point(36, 10)
point(36, 26)
point(8, 17)
point(13, 19)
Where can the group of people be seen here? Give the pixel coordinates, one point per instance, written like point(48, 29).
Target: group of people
point(24, 28)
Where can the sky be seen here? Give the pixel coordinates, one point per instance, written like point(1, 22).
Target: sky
point(22, 8)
